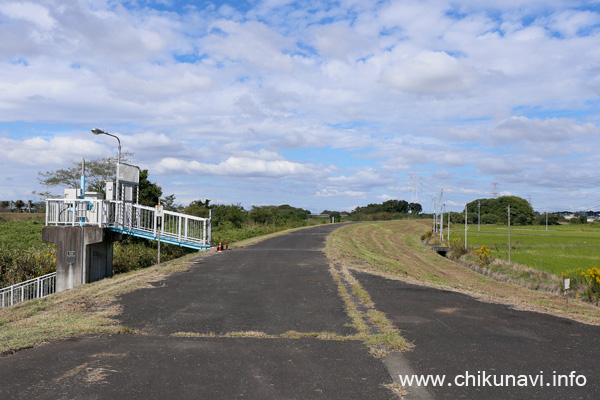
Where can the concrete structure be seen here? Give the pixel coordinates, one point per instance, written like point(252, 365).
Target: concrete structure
point(84, 254)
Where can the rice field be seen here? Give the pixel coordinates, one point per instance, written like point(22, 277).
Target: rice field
point(560, 249)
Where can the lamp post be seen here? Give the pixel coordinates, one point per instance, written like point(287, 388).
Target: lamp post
point(97, 131)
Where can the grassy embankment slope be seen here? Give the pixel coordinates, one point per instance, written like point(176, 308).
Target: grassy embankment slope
point(393, 249)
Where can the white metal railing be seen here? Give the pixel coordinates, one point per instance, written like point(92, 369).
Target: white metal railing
point(36, 288)
point(80, 212)
point(179, 227)
point(133, 219)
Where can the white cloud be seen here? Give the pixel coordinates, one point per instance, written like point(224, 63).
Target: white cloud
point(250, 41)
point(238, 167)
point(570, 22)
point(32, 12)
point(42, 152)
point(338, 193)
point(340, 41)
point(453, 160)
point(430, 72)
point(499, 166)
point(542, 131)
point(366, 178)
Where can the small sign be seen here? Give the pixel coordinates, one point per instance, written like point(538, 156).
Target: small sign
point(70, 257)
point(160, 210)
point(567, 283)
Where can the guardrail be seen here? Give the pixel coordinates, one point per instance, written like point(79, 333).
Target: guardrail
point(36, 288)
point(132, 219)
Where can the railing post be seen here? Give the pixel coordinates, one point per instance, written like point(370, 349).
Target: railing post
point(154, 222)
point(179, 229)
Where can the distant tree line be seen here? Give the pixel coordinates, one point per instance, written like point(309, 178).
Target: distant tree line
point(495, 211)
point(390, 209)
point(235, 216)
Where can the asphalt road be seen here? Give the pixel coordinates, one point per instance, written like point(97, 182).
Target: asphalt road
point(457, 336)
point(276, 286)
point(283, 284)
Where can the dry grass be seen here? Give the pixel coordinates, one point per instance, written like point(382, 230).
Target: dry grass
point(373, 327)
point(393, 249)
point(86, 309)
point(21, 216)
point(263, 335)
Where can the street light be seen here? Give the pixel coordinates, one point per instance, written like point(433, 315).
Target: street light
point(97, 131)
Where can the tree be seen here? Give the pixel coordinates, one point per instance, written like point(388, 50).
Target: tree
point(97, 172)
point(150, 192)
point(233, 214)
point(19, 204)
point(197, 208)
point(520, 209)
point(415, 208)
point(488, 219)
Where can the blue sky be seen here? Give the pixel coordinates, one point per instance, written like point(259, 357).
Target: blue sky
point(317, 104)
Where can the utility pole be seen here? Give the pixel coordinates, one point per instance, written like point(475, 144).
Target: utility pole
point(466, 227)
point(546, 220)
point(448, 215)
point(509, 233)
point(442, 214)
point(434, 215)
point(478, 215)
point(442, 222)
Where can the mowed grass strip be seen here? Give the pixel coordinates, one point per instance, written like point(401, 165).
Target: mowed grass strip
point(561, 249)
point(393, 249)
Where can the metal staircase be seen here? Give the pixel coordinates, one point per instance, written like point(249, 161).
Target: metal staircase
point(131, 219)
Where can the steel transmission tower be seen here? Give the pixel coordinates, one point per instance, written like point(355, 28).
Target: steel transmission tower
point(414, 188)
point(495, 192)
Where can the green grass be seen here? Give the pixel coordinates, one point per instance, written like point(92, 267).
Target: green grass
point(561, 249)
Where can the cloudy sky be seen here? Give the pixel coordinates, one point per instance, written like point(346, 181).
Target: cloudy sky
point(318, 104)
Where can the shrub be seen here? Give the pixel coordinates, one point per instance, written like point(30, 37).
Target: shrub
point(484, 255)
point(457, 248)
point(592, 280)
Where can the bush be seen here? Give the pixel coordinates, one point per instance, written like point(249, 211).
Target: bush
point(484, 255)
point(488, 219)
point(457, 248)
point(592, 284)
point(133, 253)
point(19, 263)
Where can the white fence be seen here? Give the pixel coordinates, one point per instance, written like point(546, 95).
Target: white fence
point(36, 288)
point(132, 219)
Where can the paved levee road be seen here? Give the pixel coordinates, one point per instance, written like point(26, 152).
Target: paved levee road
point(180, 349)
